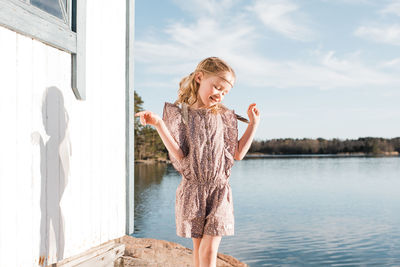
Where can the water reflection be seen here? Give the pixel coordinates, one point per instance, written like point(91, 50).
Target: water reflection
point(155, 186)
point(149, 174)
point(148, 177)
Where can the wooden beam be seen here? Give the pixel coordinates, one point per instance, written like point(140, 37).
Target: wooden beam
point(78, 60)
point(31, 21)
point(104, 255)
point(129, 107)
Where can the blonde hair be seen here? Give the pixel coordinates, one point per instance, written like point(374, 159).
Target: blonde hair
point(188, 87)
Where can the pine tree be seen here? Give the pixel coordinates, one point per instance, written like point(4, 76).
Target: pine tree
point(148, 143)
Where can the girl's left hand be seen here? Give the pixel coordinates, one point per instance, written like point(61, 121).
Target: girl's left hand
point(254, 114)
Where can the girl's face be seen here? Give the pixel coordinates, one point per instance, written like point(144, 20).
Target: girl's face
point(212, 88)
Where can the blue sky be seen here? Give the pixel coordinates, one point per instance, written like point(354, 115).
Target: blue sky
point(315, 68)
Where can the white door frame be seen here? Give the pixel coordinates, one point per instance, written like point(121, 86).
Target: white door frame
point(129, 107)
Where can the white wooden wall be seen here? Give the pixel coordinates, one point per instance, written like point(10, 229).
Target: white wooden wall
point(62, 161)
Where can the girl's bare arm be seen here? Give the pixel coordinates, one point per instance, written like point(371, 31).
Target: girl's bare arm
point(168, 140)
point(245, 142)
point(247, 138)
point(148, 117)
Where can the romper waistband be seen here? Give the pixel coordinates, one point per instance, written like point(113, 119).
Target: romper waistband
point(215, 182)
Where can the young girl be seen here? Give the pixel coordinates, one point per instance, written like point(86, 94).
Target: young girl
point(201, 136)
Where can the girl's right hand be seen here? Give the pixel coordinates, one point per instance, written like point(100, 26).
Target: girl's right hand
point(148, 117)
point(254, 114)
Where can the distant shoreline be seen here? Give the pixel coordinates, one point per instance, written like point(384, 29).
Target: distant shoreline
point(339, 155)
point(286, 156)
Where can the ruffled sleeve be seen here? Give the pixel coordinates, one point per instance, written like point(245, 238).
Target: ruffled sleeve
point(172, 118)
point(230, 138)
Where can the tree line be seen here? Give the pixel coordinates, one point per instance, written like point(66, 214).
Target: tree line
point(366, 145)
point(148, 143)
point(149, 146)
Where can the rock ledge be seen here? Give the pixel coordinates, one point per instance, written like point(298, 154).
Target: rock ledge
point(154, 253)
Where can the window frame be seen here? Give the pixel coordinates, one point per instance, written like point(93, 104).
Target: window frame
point(29, 20)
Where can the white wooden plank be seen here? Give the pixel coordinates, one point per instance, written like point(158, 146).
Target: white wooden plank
point(86, 186)
point(67, 147)
point(106, 259)
point(70, 216)
point(117, 145)
point(71, 203)
point(57, 150)
point(97, 256)
point(118, 142)
point(122, 149)
point(52, 195)
point(8, 192)
point(95, 86)
point(80, 133)
point(81, 138)
point(115, 78)
point(23, 147)
point(2, 112)
point(40, 138)
point(102, 137)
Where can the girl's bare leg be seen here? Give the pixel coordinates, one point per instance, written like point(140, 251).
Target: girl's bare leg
point(208, 250)
point(196, 246)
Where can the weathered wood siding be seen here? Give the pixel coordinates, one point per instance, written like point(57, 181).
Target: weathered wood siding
point(62, 161)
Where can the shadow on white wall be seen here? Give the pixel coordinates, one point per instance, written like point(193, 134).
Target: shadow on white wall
point(55, 152)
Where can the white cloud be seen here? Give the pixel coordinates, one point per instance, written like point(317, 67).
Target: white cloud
point(394, 63)
point(325, 72)
point(208, 33)
point(279, 115)
point(351, 2)
point(200, 8)
point(188, 43)
point(383, 33)
point(354, 72)
point(155, 84)
point(392, 8)
point(283, 17)
point(389, 34)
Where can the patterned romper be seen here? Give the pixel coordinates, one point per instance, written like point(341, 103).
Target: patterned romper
point(203, 203)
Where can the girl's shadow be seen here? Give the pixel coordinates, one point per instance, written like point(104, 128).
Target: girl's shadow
point(55, 151)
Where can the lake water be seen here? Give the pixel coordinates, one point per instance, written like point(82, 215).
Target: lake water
point(292, 211)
